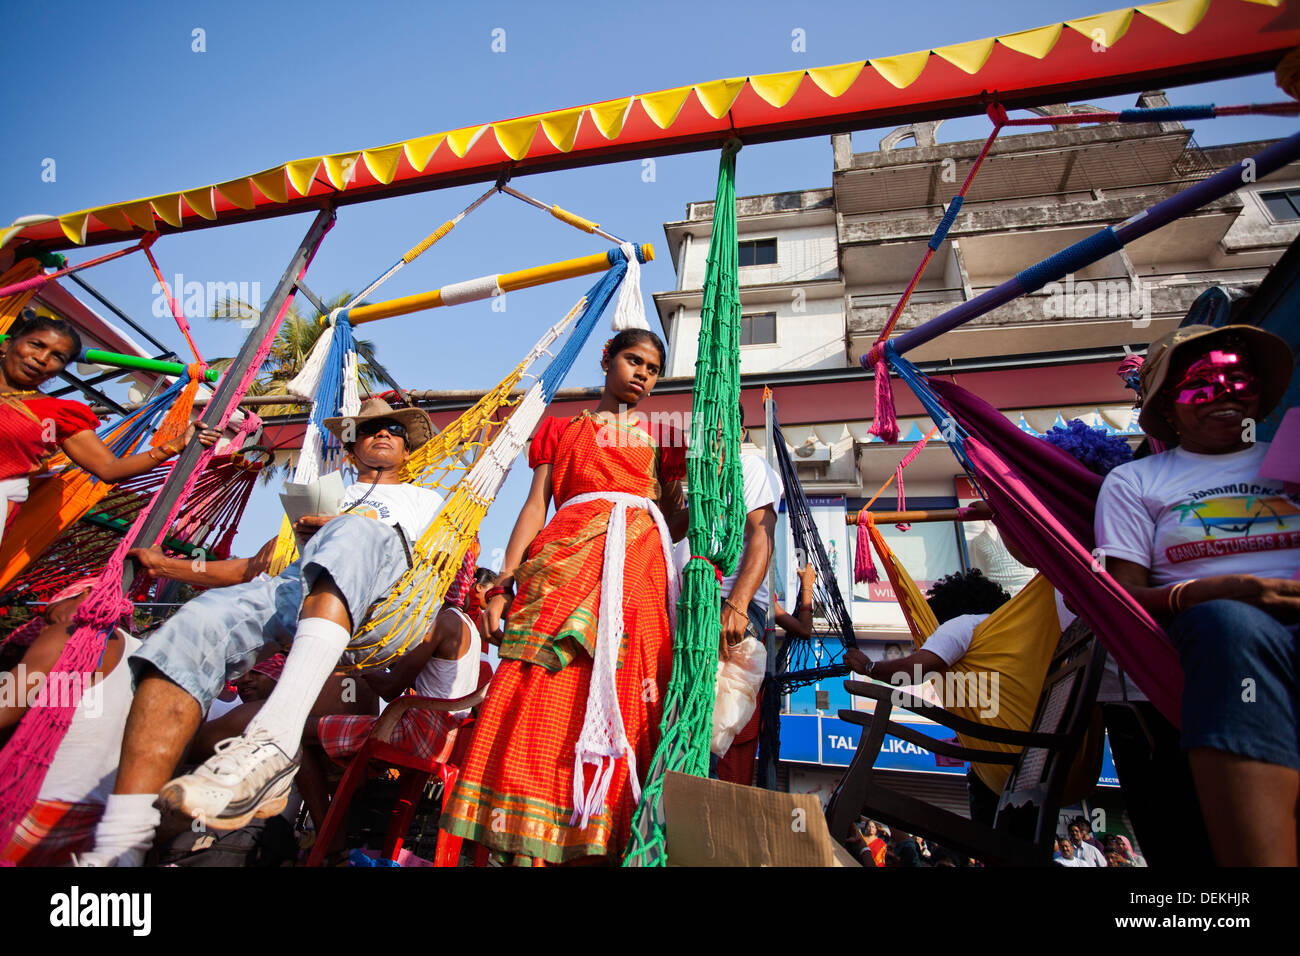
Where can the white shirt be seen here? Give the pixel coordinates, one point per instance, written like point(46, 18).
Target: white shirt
point(762, 487)
point(84, 767)
point(1184, 516)
point(451, 680)
point(410, 506)
point(1088, 855)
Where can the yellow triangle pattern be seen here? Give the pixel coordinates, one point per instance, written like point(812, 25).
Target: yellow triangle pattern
point(272, 185)
point(835, 80)
point(419, 150)
point(340, 169)
point(382, 162)
point(200, 201)
point(663, 107)
point(718, 95)
point(140, 213)
point(968, 57)
point(302, 173)
point(1105, 28)
point(777, 88)
point(238, 191)
point(515, 136)
point(460, 140)
point(113, 217)
point(609, 116)
point(1181, 16)
point(561, 127)
point(1036, 43)
point(74, 226)
point(902, 70)
point(168, 209)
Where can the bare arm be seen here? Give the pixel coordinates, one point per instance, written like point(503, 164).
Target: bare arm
point(759, 527)
point(916, 666)
point(90, 453)
point(1278, 596)
point(208, 574)
point(673, 504)
point(800, 626)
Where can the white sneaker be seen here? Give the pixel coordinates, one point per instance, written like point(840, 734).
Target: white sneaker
point(247, 777)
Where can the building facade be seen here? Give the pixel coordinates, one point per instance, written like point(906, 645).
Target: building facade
point(822, 269)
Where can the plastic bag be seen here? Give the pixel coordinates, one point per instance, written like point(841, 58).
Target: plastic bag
point(739, 679)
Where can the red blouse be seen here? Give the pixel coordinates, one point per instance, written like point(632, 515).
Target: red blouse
point(27, 439)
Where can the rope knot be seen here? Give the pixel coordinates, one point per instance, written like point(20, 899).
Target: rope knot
point(998, 114)
point(716, 573)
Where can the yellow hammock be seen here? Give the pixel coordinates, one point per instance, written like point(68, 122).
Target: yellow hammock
point(1015, 642)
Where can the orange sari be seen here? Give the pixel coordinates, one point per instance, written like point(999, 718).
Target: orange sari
point(515, 789)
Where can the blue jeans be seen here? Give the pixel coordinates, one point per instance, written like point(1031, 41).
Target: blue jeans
point(1241, 674)
point(217, 636)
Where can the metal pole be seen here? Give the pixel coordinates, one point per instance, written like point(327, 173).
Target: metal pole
point(767, 771)
point(267, 325)
point(1103, 243)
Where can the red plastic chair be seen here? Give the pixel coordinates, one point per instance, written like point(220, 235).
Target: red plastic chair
point(415, 773)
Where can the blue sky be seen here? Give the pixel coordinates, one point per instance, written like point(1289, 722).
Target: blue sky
point(116, 95)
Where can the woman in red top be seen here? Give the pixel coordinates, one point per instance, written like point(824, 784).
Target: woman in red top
point(577, 686)
point(34, 426)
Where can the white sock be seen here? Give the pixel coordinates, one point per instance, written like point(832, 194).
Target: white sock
point(317, 646)
point(128, 825)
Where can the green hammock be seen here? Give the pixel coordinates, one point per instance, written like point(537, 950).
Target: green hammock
point(717, 514)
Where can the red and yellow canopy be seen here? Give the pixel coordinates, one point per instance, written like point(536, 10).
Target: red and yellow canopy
point(1167, 43)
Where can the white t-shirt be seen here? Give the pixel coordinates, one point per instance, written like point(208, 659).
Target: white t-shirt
point(410, 506)
point(451, 680)
point(84, 767)
point(1184, 516)
point(762, 487)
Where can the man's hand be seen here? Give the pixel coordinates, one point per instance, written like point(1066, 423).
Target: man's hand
point(807, 576)
point(151, 560)
point(857, 662)
point(734, 625)
point(308, 525)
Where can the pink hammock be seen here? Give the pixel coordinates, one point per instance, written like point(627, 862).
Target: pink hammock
point(1044, 501)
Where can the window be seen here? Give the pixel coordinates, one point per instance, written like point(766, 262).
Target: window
point(1283, 206)
point(758, 252)
point(758, 329)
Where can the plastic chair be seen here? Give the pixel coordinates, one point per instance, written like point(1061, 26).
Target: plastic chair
point(415, 773)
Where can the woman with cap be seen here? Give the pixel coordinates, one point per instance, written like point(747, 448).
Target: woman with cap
point(33, 425)
point(1212, 550)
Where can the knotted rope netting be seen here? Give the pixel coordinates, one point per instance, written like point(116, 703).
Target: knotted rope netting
point(716, 503)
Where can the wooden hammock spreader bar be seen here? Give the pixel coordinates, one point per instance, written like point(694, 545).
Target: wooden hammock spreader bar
point(918, 517)
point(484, 288)
point(118, 360)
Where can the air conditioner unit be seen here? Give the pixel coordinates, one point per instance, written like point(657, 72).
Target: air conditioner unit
point(812, 451)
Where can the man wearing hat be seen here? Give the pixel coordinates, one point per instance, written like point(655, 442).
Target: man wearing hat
point(1211, 548)
point(351, 561)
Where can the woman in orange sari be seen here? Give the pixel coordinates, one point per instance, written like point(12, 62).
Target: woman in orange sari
point(572, 716)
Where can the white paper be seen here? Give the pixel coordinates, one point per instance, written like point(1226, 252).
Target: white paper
point(324, 496)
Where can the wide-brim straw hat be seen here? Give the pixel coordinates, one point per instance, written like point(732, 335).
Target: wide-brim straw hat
point(1270, 355)
point(418, 424)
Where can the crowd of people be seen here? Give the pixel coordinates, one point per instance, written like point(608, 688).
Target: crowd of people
point(581, 613)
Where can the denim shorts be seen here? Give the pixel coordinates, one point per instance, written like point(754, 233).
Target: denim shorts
point(217, 636)
point(1241, 675)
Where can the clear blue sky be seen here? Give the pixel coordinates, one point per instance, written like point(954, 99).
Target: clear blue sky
point(116, 96)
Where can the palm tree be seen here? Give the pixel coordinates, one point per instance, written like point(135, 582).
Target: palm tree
point(293, 343)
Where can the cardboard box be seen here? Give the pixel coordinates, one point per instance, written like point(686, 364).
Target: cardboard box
point(715, 823)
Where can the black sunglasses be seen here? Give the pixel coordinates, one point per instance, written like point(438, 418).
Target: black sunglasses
point(396, 429)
